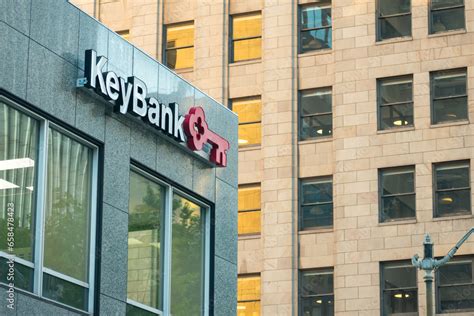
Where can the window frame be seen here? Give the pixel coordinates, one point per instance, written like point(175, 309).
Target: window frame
point(251, 98)
point(379, 17)
point(433, 99)
point(318, 271)
point(232, 40)
point(301, 116)
point(46, 123)
point(383, 264)
point(435, 167)
point(249, 275)
point(302, 182)
point(171, 189)
point(165, 44)
point(464, 258)
point(430, 16)
point(323, 4)
point(380, 82)
point(381, 195)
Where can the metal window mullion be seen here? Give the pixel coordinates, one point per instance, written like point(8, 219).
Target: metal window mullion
point(93, 227)
point(179, 47)
point(248, 123)
point(144, 307)
point(394, 15)
point(168, 214)
point(452, 190)
point(316, 114)
point(248, 211)
point(246, 38)
point(207, 257)
point(40, 208)
point(450, 97)
point(17, 259)
point(398, 194)
point(396, 103)
point(401, 289)
point(459, 6)
point(316, 28)
point(317, 203)
point(65, 277)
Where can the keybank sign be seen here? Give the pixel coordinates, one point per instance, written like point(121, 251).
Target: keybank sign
point(130, 96)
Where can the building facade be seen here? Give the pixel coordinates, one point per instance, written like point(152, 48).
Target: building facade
point(118, 179)
point(355, 136)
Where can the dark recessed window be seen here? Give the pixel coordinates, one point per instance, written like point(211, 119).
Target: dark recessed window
point(315, 27)
point(395, 102)
point(399, 288)
point(315, 113)
point(393, 19)
point(246, 36)
point(316, 292)
point(446, 15)
point(316, 207)
point(454, 286)
point(452, 189)
point(397, 194)
point(449, 95)
point(179, 49)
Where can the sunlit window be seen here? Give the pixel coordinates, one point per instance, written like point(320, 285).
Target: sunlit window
point(179, 50)
point(248, 295)
point(249, 111)
point(249, 209)
point(246, 36)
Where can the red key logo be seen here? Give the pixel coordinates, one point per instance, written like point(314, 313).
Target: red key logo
point(198, 132)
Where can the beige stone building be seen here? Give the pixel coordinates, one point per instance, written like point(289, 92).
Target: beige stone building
point(356, 136)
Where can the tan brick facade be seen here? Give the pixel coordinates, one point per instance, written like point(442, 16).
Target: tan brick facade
point(352, 156)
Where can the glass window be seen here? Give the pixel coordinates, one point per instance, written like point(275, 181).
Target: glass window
point(394, 19)
point(249, 111)
point(316, 206)
point(399, 288)
point(145, 236)
point(248, 295)
point(455, 286)
point(446, 15)
point(315, 27)
point(395, 102)
point(179, 50)
point(246, 36)
point(249, 210)
point(397, 194)
point(452, 189)
point(315, 113)
point(449, 96)
point(166, 231)
point(35, 153)
point(316, 292)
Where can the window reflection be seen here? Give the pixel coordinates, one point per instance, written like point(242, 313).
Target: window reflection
point(187, 260)
point(397, 194)
point(315, 27)
point(249, 111)
point(446, 15)
point(248, 296)
point(144, 241)
point(249, 221)
point(455, 286)
point(179, 48)
point(246, 36)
